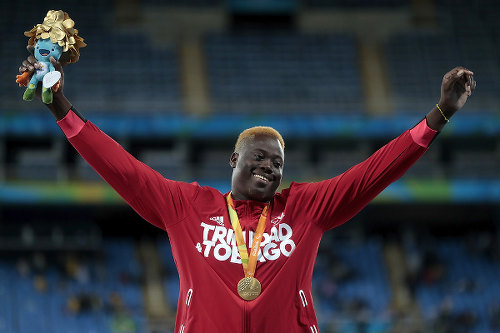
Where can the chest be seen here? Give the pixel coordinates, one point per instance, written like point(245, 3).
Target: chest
point(208, 234)
point(205, 242)
point(216, 236)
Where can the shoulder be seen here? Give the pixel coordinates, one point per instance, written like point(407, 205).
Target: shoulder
point(292, 189)
point(207, 192)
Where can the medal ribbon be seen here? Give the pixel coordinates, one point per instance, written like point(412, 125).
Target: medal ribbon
point(249, 263)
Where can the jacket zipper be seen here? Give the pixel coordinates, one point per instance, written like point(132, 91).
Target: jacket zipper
point(189, 295)
point(303, 299)
point(246, 322)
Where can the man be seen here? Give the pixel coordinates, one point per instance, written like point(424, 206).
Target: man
point(245, 258)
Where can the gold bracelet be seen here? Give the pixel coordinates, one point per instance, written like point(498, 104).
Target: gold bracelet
point(442, 113)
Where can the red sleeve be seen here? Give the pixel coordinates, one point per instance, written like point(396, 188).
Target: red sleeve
point(334, 201)
point(160, 201)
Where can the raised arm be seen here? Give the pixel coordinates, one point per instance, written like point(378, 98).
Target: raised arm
point(457, 85)
point(145, 190)
point(334, 201)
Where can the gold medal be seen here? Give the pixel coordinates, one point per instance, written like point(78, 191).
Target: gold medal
point(249, 288)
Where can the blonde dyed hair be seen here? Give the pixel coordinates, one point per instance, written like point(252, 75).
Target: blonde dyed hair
point(252, 132)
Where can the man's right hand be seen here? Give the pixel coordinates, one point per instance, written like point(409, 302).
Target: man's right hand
point(60, 105)
point(30, 64)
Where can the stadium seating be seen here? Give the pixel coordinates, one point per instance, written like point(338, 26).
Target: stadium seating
point(350, 279)
point(355, 4)
point(48, 305)
point(425, 55)
point(468, 285)
point(124, 73)
point(170, 277)
point(184, 3)
point(118, 72)
point(282, 72)
point(360, 285)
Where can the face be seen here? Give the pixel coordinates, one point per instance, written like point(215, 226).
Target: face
point(257, 169)
point(44, 49)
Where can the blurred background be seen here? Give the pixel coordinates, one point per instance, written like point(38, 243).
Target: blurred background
point(175, 81)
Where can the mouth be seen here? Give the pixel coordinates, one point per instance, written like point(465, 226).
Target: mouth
point(44, 52)
point(262, 178)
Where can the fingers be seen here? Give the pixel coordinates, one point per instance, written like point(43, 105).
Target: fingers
point(458, 72)
point(470, 85)
point(471, 82)
point(461, 75)
point(462, 79)
point(58, 67)
point(57, 64)
point(31, 49)
point(466, 77)
point(32, 60)
point(29, 65)
point(26, 67)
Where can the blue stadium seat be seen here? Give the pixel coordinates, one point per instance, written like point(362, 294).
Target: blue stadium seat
point(462, 267)
point(48, 311)
point(283, 72)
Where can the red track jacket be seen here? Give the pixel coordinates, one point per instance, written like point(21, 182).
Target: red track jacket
point(203, 244)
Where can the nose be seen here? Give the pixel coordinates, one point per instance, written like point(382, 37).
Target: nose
point(265, 165)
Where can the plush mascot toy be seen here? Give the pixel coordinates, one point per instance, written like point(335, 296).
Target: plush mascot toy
point(55, 37)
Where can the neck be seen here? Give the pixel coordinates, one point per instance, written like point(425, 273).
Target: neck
point(239, 196)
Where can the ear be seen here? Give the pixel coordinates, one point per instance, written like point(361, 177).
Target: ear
point(233, 160)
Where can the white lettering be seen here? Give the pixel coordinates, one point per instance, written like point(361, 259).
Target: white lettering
point(288, 234)
point(220, 242)
point(230, 239)
point(274, 235)
point(208, 245)
point(206, 228)
point(227, 252)
point(271, 254)
point(219, 234)
point(260, 257)
point(283, 246)
point(265, 239)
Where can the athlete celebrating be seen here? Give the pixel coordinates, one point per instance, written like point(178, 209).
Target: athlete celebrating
point(245, 258)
